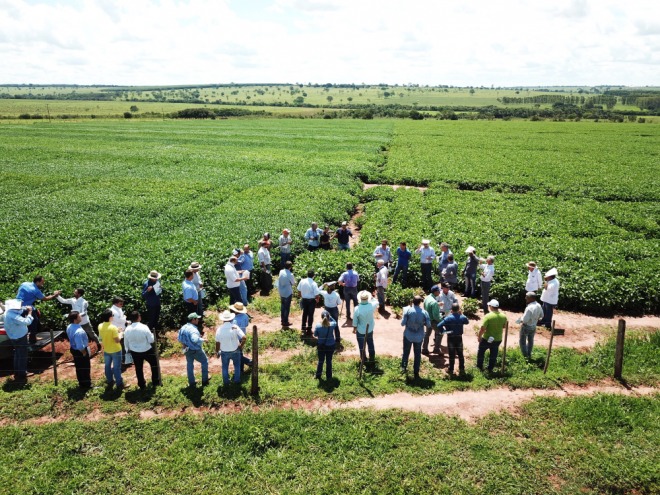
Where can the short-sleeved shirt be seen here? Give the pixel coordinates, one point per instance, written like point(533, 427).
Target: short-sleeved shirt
point(28, 292)
point(330, 299)
point(350, 278)
point(285, 283)
point(550, 295)
point(108, 333)
point(385, 254)
point(494, 323)
point(248, 261)
point(364, 315)
point(325, 335)
point(343, 235)
point(189, 290)
point(403, 257)
point(242, 320)
point(285, 244)
point(77, 337)
point(308, 288)
point(229, 335)
point(414, 320)
point(453, 324)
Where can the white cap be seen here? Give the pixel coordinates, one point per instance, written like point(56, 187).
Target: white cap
point(494, 303)
point(343, 224)
point(470, 249)
point(426, 241)
point(227, 316)
point(551, 273)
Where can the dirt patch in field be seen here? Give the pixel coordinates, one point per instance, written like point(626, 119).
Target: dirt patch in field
point(394, 186)
point(353, 227)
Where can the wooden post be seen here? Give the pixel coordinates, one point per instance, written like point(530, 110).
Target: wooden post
point(552, 336)
point(255, 362)
point(618, 355)
point(160, 374)
point(506, 335)
point(53, 355)
point(364, 352)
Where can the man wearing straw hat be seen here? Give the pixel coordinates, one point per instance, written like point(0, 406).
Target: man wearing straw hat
point(549, 296)
point(229, 342)
point(331, 302)
point(534, 278)
point(242, 320)
point(151, 291)
point(16, 326)
point(427, 255)
point(197, 282)
point(490, 335)
point(363, 316)
point(192, 342)
point(234, 279)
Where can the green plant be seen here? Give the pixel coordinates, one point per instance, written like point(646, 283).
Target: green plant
point(470, 307)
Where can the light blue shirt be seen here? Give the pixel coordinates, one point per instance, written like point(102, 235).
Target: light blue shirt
point(28, 292)
point(313, 237)
point(285, 283)
point(189, 337)
point(189, 290)
point(242, 320)
point(16, 325)
point(326, 335)
point(364, 315)
point(442, 259)
point(414, 320)
point(77, 337)
point(350, 278)
point(386, 254)
point(427, 255)
point(247, 263)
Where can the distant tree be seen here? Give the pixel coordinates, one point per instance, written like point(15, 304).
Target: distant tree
point(299, 100)
point(472, 91)
point(128, 115)
point(350, 98)
point(329, 98)
point(134, 108)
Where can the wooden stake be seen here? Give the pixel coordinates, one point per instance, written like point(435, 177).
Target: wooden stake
point(506, 335)
point(52, 354)
point(552, 336)
point(255, 362)
point(618, 355)
point(364, 352)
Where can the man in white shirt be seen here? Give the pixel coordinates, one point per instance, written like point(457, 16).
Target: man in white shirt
point(229, 342)
point(78, 303)
point(195, 267)
point(427, 255)
point(138, 340)
point(446, 299)
point(534, 279)
point(234, 279)
point(549, 297)
point(381, 283)
point(331, 302)
point(533, 313)
point(119, 319)
point(265, 276)
point(487, 272)
point(309, 295)
point(285, 284)
point(285, 242)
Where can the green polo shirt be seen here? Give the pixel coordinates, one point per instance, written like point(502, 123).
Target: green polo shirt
point(432, 308)
point(494, 323)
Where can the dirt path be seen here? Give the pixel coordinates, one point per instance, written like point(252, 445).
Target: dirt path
point(353, 227)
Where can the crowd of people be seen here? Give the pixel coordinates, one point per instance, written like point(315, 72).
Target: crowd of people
point(128, 340)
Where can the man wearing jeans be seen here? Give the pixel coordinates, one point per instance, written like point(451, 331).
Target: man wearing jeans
point(487, 274)
point(192, 342)
point(533, 313)
point(342, 235)
point(414, 320)
point(16, 326)
point(234, 279)
point(453, 325)
point(403, 256)
point(349, 281)
point(80, 350)
point(111, 339)
point(427, 255)
point(470, 272)
point(285, 284)
point(285, 242)
point(381, 283)
point(363, 317)
point(309, 294)
point(490, 335)
point(229, 342)
point(138, 340)
point(549, 297)
point(432, 308)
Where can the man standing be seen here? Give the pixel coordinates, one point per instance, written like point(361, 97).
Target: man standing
point(363, 317)
point(190, 295)
point(446, 299)
point(342, 235)
point(112, 349)
point(453, 325)
point(119, 319)
point(326, 238)
point(532, 315)
point(534, 278)
point(331, 302)
point(247, 265)
point(403, 256)
point(490, 335)
point(470, 272)
point(309, 293)
point(197, 282)
point(349, 281)
point(17, 327)
point(487, 273)
point(229, 342)
point(240, 257)
point(427, 255)
point(234, 280)
point(139, 340)
point(383, 253)
point(79, 350)
point(450, 272)
point(313, 237)
point(381, 283)
point(285, 242)
point(78, 303)
point(192, 342)
point(265, 275)
point(549, 296)
point(29, 293)
point(443, 259)
point(414, 320)
point(433, 311)
point(285, 284)
point(151, 292)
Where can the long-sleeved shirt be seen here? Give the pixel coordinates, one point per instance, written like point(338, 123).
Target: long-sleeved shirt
point(242, 320)
point(119, 319)
point(450, 273)
point(534, 280)
point(16, 325)
point(471, 265)
point(189, 291)
point(453, 324)
point(431, 307)
point(138, 337)
point(533, 313)
point(285, 283)
point(364, 315)
point(427, 254)
point(487, 273)
point(28, 292)
point(308, 288)
point(550, 294)
point(326, 335)
point(79, 305)
point(313, 237)
point(189, 337)
point(330, 299)
point(152, 297)
point(232, 275)
point(384, 254)
point(350, 278)
point(264, 256)
point(197, 280)
point(414, 320)
point(442, 259)
point(77, 337)
point(403, 257)
point(381, 277)
point(447, 300)
point(285, 244)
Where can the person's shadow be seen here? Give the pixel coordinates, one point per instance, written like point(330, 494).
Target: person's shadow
point(329, 385)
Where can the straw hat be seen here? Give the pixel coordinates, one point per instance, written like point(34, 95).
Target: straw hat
point(364, 295)
point(531, 264)
point(194, 266)
point(238, 307)
point(154, 275)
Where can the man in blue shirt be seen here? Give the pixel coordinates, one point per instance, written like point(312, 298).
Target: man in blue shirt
point(240, 258)
point(190, 294)
point(30, 293)
point(452, 325)
point(151, 291)
point(443, 260)
point(313, 237)
point(192, 342)
point(415, 318)
point(247, 265)
point(403, 256)
point(16, 326)
point(80, 350)
point(342, 236)
point(285, 285)
point(349, 281)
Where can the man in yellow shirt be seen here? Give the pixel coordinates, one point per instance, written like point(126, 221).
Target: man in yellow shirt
point(490, 335)
point(111, 340)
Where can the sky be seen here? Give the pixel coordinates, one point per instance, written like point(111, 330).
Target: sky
point(434, 42)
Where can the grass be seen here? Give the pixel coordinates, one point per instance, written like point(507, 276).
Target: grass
point(595, 445)
point(293, 381)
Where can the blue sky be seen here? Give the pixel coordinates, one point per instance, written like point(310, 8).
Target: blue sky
point(505, 43)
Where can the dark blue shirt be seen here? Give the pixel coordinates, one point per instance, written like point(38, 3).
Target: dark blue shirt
point(343, 235)
point(402, 257)
point(150, 297)
point(454, 324)
point(326, 335)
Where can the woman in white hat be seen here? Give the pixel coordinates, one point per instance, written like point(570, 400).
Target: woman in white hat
point(549, 297)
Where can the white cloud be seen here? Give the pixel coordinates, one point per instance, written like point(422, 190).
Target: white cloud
point(509, 42)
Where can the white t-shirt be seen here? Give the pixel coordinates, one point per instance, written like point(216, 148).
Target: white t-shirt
point(232, 274)
point(381, 277)
point(551, 294)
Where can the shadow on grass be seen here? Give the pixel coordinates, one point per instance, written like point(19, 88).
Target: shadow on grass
point(329, 385)
point(77, 393)
point(139, 396)
point(439, 361)
point(12, 385)
point(232, 391)
point(111, 394)
point(420, 382)
point(461, 377)
point(194, 395)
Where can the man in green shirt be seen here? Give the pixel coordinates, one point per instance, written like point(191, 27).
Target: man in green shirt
point(433, 309)
point(490, 335)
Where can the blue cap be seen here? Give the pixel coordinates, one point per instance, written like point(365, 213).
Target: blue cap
point(435, 288)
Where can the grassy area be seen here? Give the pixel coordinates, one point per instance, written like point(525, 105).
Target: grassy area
point(595, 445)
point(293, 380)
